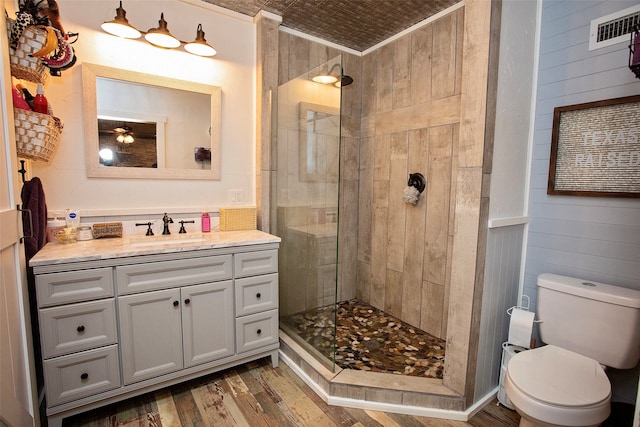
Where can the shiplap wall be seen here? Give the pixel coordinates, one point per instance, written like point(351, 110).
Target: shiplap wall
point(502, 272)
point(586, 237)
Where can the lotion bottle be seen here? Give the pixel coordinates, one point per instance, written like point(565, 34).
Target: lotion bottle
point(40, 103)
point(206, 221)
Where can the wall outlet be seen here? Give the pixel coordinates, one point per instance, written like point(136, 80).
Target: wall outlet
point(235, 196)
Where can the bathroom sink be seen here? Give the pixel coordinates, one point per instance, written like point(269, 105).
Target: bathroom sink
point(171, 239)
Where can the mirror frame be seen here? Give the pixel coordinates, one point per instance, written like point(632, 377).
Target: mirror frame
point(90, 115)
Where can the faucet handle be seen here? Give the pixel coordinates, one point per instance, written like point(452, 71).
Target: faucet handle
point(182, 223)
point(148, 224)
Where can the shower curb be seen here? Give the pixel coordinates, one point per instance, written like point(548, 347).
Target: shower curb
point(376, 391)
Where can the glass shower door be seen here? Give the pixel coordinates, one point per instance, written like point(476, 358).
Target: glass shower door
point(306, 215)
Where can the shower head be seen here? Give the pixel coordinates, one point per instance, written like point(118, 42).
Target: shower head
point(331, 77)
point(346, 80)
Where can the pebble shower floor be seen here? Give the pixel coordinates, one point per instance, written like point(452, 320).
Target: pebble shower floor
point(369, 339)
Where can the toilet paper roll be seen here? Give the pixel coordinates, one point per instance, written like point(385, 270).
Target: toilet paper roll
point(508, 351)
point(521, 327)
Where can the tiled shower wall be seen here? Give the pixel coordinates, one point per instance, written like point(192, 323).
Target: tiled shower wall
point(410, 123)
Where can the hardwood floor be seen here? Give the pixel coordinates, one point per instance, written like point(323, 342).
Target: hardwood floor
point(256, 395)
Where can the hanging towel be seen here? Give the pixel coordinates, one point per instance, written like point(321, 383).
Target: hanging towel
point(33, 200)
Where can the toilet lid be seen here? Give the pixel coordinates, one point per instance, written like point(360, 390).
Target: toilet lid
point(560, 377)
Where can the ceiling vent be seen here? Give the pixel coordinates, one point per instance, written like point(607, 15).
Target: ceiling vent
point(613, 28)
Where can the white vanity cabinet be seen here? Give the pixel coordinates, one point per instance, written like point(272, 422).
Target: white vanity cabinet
point(164, 331)
point(126, 325)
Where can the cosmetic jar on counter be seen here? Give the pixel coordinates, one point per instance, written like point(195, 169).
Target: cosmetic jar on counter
point(84, 233)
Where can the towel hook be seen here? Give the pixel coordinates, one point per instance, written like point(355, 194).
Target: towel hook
point(22, 170)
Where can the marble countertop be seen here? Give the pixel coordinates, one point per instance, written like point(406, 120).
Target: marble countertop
point(109, 248)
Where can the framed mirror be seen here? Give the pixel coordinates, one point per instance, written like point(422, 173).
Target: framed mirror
point(319, 127)
point(150, 127)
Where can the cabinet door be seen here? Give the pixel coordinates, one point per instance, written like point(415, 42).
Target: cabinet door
point(150, 333)
point(207, 322)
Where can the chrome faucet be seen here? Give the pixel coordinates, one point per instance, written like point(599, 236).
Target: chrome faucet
point(166, 221)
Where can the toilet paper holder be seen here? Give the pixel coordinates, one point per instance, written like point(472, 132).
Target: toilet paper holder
point(525, 302)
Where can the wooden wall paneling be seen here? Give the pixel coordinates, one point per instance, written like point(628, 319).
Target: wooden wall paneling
point(444, 57)
point(475, 75)
point(365, 199)
point(452, 225)
point(298, 57)
point(318, 54)
point(401, 72)
point(440, 112)
point(421, 47)
point(397, 206)
point(415, 234)
point(283, 58)
point(439, 181)
point(363, 278)
point(347, 242)
point(384, 78)
point(432, 310)
point(459, 14)
point(368, 85)
point(379, 244)
point(381, 156)
point(393, 293)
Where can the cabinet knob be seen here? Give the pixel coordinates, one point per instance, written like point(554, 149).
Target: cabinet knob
point(187, 301)
point(84, 376)
point(80, 328)
point(258, 295)
point(176, 303)
point(259, 331)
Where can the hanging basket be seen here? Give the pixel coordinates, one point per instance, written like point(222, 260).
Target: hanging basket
point(37, 135)
point(23, 65)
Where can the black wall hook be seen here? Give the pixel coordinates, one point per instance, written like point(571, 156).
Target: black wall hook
point(418, 181)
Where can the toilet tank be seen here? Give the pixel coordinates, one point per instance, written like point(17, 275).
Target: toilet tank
point(594, 319)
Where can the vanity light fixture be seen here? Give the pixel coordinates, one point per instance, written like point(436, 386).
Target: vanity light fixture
point(159, 37)
point(200, 46)
point(120, 26)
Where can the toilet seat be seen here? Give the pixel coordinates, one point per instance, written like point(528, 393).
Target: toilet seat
point(558, 386)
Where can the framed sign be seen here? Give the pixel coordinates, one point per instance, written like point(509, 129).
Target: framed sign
point(595, 149)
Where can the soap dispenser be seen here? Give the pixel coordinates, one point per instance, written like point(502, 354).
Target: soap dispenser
point(206, 221)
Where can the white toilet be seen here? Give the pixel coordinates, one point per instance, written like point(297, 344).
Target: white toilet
point(586, 325)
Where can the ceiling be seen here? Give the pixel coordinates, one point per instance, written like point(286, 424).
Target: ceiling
point(355, 24)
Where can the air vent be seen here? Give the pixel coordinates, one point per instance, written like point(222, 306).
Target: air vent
point(613, 28)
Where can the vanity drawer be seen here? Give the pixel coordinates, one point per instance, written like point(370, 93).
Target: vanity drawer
point(254, 263)
point(77, 327)
point(256, 294)
point(256, 330)
point(169, 274)
point(74, 286)
point(80, 375)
